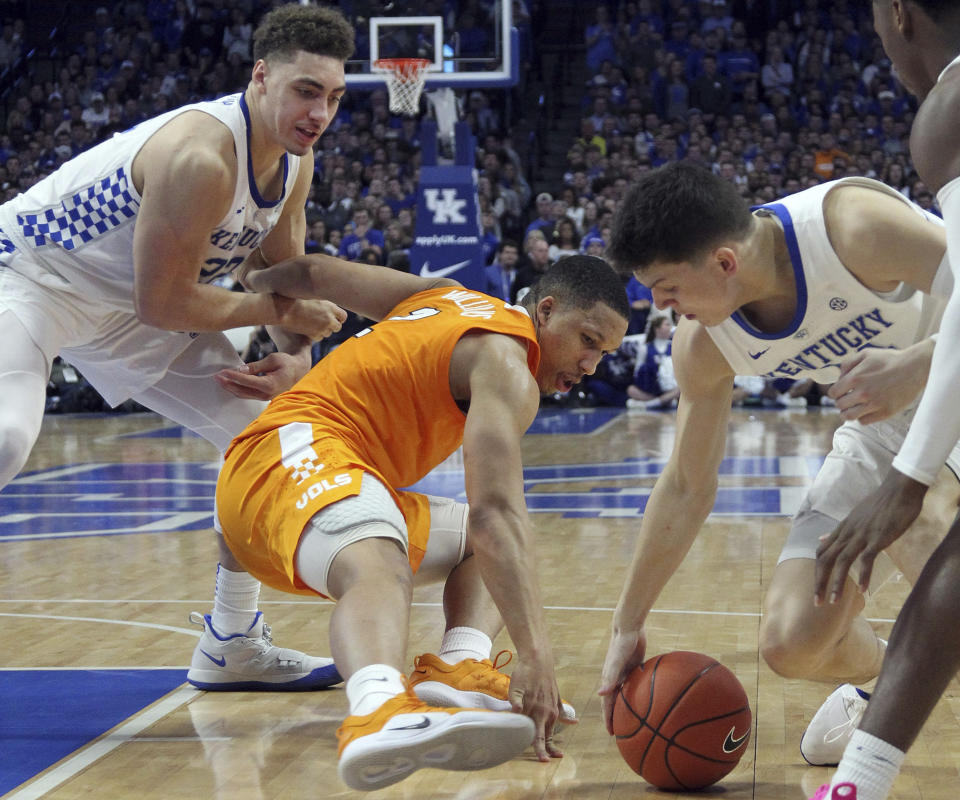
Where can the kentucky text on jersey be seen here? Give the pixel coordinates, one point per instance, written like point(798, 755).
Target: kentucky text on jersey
point(826, 351)
point(228, 240)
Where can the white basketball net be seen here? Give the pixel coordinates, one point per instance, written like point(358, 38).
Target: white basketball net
point(405, 81)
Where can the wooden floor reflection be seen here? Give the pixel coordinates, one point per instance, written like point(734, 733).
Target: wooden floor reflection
point(119, 599)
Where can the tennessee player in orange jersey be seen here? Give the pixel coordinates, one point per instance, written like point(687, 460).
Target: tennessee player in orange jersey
point(310, 502)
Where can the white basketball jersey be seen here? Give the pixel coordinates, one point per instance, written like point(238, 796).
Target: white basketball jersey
point(836, 315)
point(74, 229)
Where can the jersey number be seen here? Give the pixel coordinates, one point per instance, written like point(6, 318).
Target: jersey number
point(418, 313)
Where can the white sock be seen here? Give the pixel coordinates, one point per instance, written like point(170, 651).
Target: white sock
point(370, 687)
point(460, 643)
point(870, 764)
point(235, 601)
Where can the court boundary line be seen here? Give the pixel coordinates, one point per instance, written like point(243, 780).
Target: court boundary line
point(107, 621)
point(75, 763)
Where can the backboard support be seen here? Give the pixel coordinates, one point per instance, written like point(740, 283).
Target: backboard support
point(483, 55)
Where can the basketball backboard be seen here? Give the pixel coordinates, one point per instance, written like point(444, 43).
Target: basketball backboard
point(468, 44)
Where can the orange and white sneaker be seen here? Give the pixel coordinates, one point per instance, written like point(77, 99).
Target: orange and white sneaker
point(468, 683)
point(405, 734)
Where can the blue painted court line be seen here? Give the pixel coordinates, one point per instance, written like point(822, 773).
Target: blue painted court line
point(729, 501)
point(134, 497)
point(173, 432)
point(548, 420)
point(567, 421)
point(48, 714)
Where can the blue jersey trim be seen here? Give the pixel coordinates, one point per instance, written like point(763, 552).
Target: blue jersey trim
point(793, 248)
point(254, 191)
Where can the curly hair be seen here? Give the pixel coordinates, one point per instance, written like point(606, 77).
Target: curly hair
point(293, 27)
point(674, 214)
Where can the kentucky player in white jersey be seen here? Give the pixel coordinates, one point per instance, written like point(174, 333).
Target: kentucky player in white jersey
point(109, 262)
point(922, 38)
point(822, 284)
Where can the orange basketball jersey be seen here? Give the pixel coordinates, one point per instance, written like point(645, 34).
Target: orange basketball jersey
point(379, 403)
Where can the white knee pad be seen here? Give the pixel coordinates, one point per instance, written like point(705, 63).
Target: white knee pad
point(371, 514)
point(447, 542)
point(804, 539)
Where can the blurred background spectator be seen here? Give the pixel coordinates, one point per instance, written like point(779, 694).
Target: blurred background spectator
point(774, 97)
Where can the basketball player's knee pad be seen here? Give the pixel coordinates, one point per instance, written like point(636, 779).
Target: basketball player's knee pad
point(448, 540)
point(371, 514)
point(805, 532)
point(804, 539)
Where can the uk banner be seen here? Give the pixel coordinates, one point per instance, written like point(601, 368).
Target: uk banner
point(447, 241)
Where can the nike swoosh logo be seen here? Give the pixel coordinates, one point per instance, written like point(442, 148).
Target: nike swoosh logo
point(755, 356)
point(220, 662)
point(367, 680)
point(424, 724)
point(730, 744)
point(426, 272)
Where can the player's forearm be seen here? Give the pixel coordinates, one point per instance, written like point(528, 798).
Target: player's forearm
point(205, 308)
point(935, 427)
point(301, 276)
point(293, 344)
point(671, 522)
point(503, 546)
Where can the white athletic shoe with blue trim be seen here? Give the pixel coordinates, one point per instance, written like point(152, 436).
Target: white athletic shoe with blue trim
point(826, 737)
point(250, 661)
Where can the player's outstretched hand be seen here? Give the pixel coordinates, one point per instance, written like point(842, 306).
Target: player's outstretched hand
point(263, 379)
point(876, 384)
point(534, 692)
point(626, 652)
point(874, 524)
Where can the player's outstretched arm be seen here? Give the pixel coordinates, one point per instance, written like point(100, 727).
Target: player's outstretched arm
point(490, 370)
point(680, 502)
point(364, 289)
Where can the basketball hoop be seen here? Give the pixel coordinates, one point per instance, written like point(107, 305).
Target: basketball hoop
point(405, 81)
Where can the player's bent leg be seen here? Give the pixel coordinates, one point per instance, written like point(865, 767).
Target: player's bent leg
point(373, 586)
point(832, 642)
point(236, 651)
point(355, 551)
point(826, 643)
point(801, 640)
point(390, 732)
point(24, 371)
point(462, 672)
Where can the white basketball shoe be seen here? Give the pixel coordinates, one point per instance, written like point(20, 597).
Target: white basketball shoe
point(250, 661)
point(826, 736)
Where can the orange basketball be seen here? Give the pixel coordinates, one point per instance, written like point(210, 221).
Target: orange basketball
point(682, 720)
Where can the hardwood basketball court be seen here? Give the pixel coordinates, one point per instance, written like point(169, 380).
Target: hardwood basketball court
point(107, 547)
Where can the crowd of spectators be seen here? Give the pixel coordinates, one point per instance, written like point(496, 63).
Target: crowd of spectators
point(774, 97)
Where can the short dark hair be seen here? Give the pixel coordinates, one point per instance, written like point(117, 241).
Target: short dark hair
point(581, 282)
point(290, 28)
point(675, 213)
